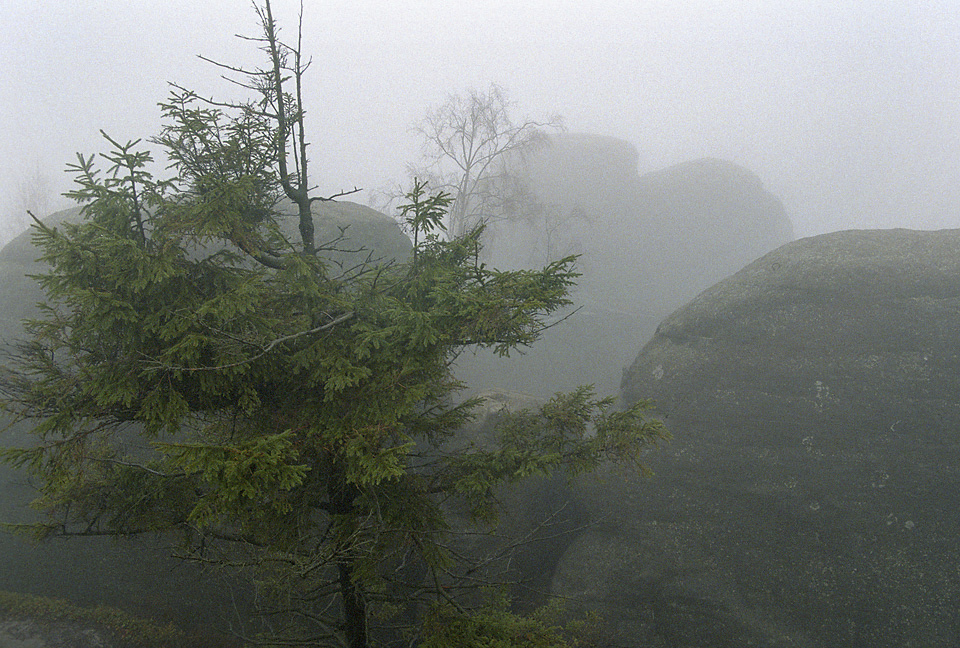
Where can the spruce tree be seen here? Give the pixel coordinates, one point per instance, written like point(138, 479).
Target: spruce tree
point(202, 367)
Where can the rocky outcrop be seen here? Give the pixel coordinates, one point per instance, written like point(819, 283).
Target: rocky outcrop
point(585, 170)
point(355, 232)
point(809, 497)
point(699, 222)
point(648, 244)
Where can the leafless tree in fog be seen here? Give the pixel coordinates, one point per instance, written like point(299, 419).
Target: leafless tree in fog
point(472, 147)
point(34, 194)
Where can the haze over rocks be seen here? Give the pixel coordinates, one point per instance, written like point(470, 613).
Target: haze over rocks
point(648, 244)
point(809, 495)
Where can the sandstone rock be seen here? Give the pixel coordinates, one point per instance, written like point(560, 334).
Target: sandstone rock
point(648, 244)
point(809, 497)
point(366, 232)
point(583, 169)
point(699, 222)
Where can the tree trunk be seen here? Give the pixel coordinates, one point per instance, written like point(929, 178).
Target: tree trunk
point(342, 499)
point(354, 607)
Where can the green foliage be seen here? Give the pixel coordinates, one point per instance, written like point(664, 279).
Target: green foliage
point(494, 625)
point(424, 214)
point(198, 369)
point(129, 630)
point(573, 433)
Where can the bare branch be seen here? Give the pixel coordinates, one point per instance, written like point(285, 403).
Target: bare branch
point(128, 464)
point(231, 68)
point(339, 194)
point(318, 329)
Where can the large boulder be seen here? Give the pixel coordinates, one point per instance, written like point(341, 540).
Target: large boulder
point(648, 244)
point(138, 574)
point(354, 232)
point(809, 497)
point(699, 222)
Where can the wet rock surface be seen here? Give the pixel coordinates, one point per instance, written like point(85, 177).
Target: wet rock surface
point(809, 497)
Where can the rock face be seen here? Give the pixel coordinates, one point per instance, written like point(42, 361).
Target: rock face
point(649, 241)
point(648, 244)
point(809, 497)
point(137, 575)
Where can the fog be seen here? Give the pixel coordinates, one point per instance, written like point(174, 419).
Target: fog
point(809, 494)
point(848, 111)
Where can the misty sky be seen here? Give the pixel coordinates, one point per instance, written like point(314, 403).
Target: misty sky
point(848, 110)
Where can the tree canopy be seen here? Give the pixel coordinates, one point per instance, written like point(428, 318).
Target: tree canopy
point(202, 367)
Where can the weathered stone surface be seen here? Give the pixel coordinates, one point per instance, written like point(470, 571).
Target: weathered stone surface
point(809, 497)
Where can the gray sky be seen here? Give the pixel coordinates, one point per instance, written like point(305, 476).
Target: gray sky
point(848, 110)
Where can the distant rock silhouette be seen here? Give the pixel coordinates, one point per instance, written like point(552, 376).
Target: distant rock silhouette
point(651, 241)
point(648, 244)
point(699, 222)
point(810, 496)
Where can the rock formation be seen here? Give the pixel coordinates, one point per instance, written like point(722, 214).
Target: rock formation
point(649, 241)
point(648, 244)
point(699, 222)
point(809, 497)
point(356, 231)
